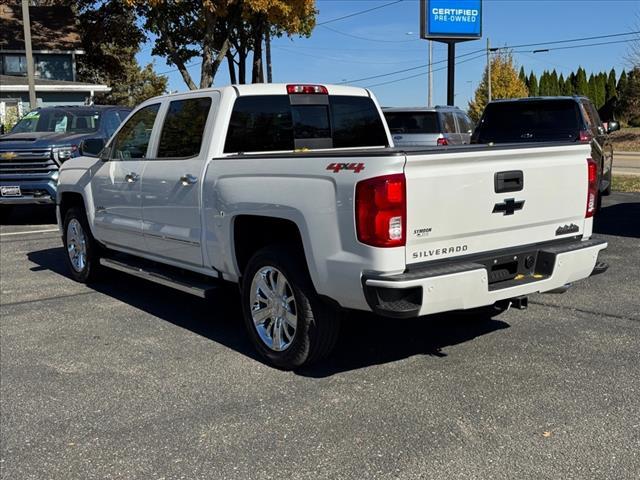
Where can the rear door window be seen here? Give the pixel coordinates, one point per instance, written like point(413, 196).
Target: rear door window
point(412, 122)
point(463, 122)
point(531, 120)
point(183, 128)
point(448, 122)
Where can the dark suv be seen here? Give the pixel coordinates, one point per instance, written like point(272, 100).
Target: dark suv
point(550, 119)
point(32, 151)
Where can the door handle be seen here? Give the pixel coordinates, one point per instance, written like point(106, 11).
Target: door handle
point(188, 179)
point(131, 177)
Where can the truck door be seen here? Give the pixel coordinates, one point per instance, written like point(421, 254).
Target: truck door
point(116, 184)
point(172, 180)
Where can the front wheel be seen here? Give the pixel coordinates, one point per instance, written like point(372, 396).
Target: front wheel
point(82, 251)
point(287, 322)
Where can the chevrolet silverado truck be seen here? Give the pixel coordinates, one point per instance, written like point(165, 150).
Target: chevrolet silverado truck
point(296, 193)
point(32, 152)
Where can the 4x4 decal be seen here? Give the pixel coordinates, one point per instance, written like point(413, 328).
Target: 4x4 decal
point(336, 167)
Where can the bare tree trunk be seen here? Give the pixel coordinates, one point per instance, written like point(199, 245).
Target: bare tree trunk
point(177, 61)
point(206, 76)
point(218, 61)
point(242, 67)
point(257, 75)
point(232, 67)
point(267, 43)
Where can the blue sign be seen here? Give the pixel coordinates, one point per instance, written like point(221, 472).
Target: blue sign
point(453, 19)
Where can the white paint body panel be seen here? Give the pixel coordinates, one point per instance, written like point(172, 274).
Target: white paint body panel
point(450, 192)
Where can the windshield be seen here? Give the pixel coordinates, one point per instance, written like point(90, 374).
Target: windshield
point(62, 121)
point(530, 121)
point(412, 122)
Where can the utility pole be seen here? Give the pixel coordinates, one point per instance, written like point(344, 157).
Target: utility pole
point(451, 72)
point(430, 89)
point(26, 23)
point(488, 71)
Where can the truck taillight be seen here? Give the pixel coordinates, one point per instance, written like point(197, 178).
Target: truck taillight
point(307, 89)
point(592, 189)
point(585, 136)
point(442, 141)
point(381, 211)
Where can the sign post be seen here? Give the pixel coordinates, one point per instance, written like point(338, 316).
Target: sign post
point(450, 22)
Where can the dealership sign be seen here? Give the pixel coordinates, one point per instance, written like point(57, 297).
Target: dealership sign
point(451, 19)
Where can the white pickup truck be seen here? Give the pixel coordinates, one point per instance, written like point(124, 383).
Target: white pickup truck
point(296, 193)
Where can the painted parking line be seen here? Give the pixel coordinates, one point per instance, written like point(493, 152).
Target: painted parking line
point(48, 230)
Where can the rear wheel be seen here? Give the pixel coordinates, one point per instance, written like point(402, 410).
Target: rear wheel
point(82, 251)
point(287, 322)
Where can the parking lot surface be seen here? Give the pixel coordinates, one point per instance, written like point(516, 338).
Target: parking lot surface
point(127, 380)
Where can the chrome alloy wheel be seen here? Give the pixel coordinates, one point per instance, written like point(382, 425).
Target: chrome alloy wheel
point(76, 245)
point(273, 308)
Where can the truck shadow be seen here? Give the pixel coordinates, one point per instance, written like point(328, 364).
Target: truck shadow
point(365, 339)
point(620, 219)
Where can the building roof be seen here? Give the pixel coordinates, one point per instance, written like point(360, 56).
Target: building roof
point(10, 83)
point(52, 28)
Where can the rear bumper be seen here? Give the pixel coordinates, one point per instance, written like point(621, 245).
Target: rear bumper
point(461, 285)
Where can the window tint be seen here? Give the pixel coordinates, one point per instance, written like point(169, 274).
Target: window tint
point(183, 128)
point(311, 121)
point(260, 123)
point(463, 122)
point(531, 120)
point(356, 122)
point(61, 121)
point(412, 122)
point(133, 139)
point(448, 123)
point(111, 121)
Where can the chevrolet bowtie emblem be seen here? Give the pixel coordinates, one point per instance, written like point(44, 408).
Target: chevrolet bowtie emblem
point(508, 207)
point(8, 155)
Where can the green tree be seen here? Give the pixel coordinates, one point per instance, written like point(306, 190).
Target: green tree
point(505, 83)
point(610, 90)
point(554, 86)
point(533, 85)
point(111, 39)
point(210, 31)
point(522, 76)
point(629, 106)
point(581, 85)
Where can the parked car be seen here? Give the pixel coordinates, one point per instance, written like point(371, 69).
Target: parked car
point(550, 119)
point(426, 126)
point(32, 152)
point(292, 192)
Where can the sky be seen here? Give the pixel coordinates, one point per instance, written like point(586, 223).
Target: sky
point(388, 41)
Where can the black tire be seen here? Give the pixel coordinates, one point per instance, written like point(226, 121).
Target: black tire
point(5, 213)
point(91, 269)
point(318, 324)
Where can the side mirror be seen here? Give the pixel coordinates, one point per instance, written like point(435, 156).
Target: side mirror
point(91, 147)
point(613, 126)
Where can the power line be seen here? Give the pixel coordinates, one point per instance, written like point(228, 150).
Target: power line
point(506, 47)
point(367, 39)
point(358, 13)
point(482, 55)
point(575, 46)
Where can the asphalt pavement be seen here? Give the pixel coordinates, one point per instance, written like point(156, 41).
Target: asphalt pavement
point(129, 380)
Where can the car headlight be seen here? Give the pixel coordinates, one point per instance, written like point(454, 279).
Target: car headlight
point(65, 153)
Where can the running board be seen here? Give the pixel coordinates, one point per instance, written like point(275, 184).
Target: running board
point(162, 276)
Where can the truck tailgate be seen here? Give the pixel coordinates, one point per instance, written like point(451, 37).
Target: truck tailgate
point(458, 201)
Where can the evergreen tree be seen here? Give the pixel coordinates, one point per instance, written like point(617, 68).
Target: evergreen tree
point(592, 92)
point(581, 85)
point(523, 76)
point(533, 85)
point(610, 90)
point(571, 83)
point(622, 84)
point(601, 89)
point(544, 84)
point(554, 86)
